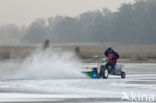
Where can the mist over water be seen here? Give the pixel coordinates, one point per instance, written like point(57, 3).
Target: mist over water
point(48, 65)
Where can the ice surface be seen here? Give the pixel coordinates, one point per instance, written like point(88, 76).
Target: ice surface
point(48, 77)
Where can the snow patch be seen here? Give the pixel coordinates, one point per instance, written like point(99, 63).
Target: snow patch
point(49, 64)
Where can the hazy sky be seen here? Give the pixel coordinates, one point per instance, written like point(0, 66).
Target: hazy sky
point(25, 11)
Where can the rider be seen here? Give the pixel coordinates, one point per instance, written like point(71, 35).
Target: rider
point(112, 57)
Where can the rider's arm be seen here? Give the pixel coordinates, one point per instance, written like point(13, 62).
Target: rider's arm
point(106, 53)
point(116, 55)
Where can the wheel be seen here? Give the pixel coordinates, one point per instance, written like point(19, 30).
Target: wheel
point(123, 75)
point(101, 70)
point(94, 75)
point(105, 73)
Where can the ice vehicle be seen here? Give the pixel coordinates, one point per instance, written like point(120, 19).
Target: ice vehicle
point(101, 71)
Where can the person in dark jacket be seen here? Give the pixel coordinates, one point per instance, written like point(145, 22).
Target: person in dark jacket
point(112, 57)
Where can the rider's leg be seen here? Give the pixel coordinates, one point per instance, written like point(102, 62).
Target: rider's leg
point(109, 66)
point(113, 66)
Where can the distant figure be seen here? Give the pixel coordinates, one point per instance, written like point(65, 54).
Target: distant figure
point(112, 57)
point(46, 44)
point(78, 53)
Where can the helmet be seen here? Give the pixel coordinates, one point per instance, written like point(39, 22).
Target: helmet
point(110, 48)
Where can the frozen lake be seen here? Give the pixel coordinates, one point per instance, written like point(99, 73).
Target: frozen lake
point(138, 86)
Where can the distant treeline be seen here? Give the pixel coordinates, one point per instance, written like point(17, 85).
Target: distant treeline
point(132, 24)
